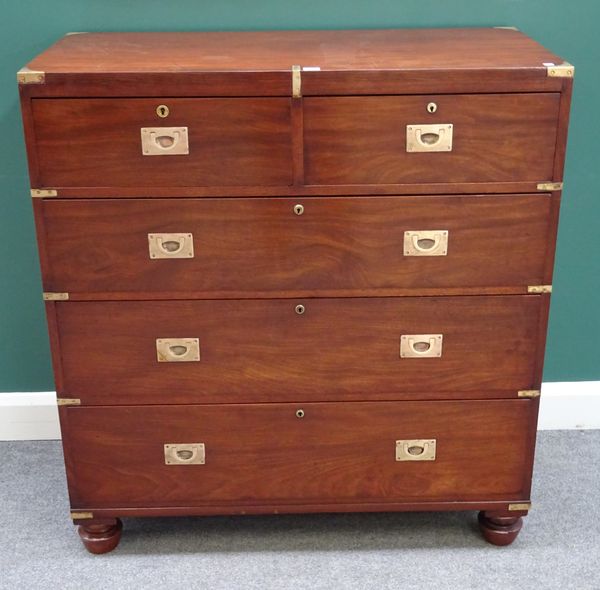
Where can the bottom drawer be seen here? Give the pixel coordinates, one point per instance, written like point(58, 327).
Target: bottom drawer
point(315, 453)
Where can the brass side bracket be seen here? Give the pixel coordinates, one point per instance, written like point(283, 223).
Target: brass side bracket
point(81, 515)
point(563, 70)
point(44, 192)
point(68, 401)
point(550, 186)
point(520, 506)
point(55, 296)
point(296, 82)
point(507, 28)
point(27, 76)
point(537, 289)
point(529, 393)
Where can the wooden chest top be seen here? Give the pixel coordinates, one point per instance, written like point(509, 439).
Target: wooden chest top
point(332, 62)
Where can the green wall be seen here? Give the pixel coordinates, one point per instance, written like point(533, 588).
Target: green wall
point(569, 29)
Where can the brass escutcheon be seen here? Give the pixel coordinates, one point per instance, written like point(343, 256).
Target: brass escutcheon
point(162, 110)
point(431, 107)
point(298, 209)
point(299, 309)
point(300, 413)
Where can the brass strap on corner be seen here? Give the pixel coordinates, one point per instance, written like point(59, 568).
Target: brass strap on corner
point(81, 515)
point(42, 193)
point(68, 401)
point(563, 70)
point(520, 506)
point(549, 186)
point(529, 393)
point(27, 76)
point(296, 81)
point(538, 289)
point(47, 296)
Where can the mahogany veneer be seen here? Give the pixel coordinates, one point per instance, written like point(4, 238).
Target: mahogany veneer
point(287, 308)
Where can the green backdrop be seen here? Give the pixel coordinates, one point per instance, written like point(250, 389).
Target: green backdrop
point(567, 28)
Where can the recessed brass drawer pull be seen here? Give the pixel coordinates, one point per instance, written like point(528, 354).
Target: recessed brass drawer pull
point(177, 350)
point(185, 454)
point(432, 242)
point(171, 245)
point(165, 141)
point(421, 345)
point(416, 450)
point(429, 138)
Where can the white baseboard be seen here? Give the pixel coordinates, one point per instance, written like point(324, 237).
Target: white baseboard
point(564, 406)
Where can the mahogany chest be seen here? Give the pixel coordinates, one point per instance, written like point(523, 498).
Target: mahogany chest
point(297, 271)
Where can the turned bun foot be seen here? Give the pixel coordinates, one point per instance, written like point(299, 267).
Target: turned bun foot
point(498, 529)
point(101, 537)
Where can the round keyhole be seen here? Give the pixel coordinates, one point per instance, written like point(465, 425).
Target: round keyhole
point(162, 110)
point(300, 413)
point(298, 209)
point(431, 107)
point(300, 309)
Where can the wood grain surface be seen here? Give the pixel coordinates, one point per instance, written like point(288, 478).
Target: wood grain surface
point(496, 137)
point(262, 350)
point(350, 245)
point(264, 454)
point(91, 142)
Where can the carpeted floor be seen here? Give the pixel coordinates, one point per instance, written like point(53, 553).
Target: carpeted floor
point(558, 548)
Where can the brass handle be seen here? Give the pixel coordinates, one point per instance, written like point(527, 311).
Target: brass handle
point(421, 345)
point(416, 450)
point(177, 350)
point(165, 141)
point(426, 243)
point(171, 245)
point(429, 138)
point(185, 454)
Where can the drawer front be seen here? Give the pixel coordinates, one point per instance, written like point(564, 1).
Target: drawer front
point(348, 245)
point(495, 138)
point(261, 454)
point(98, 142)
point(290, 350)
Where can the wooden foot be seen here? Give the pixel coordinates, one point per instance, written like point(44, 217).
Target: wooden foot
point(499, 528)
point(101, 537)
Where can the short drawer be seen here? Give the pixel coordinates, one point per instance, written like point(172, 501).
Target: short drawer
point(215, 455)
point(339, 245)
point(288, 350)
point(125, 143)
point(397, 139)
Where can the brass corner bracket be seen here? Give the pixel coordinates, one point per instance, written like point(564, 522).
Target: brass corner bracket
point(44, 192)
point(81, 515)
point(563, 70)
point(537, 289)
point(68, 401)
point(55, 296)
point(507, 28)
point(529, 393)
point(296, 82)
point(520, 506)
point(550, 186)
point(27, 76)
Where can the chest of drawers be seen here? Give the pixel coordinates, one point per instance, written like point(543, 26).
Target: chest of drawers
point(296, 271)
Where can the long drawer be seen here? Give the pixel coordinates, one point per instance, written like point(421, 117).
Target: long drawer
point(126, 143)
point(344, 245)
point(287, 350)
point(398, 139)
point(284, 453)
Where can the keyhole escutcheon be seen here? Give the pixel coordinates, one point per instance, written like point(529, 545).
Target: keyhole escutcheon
point(162, 110)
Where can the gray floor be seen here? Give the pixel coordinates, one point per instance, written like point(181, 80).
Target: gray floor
point(559, 546)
